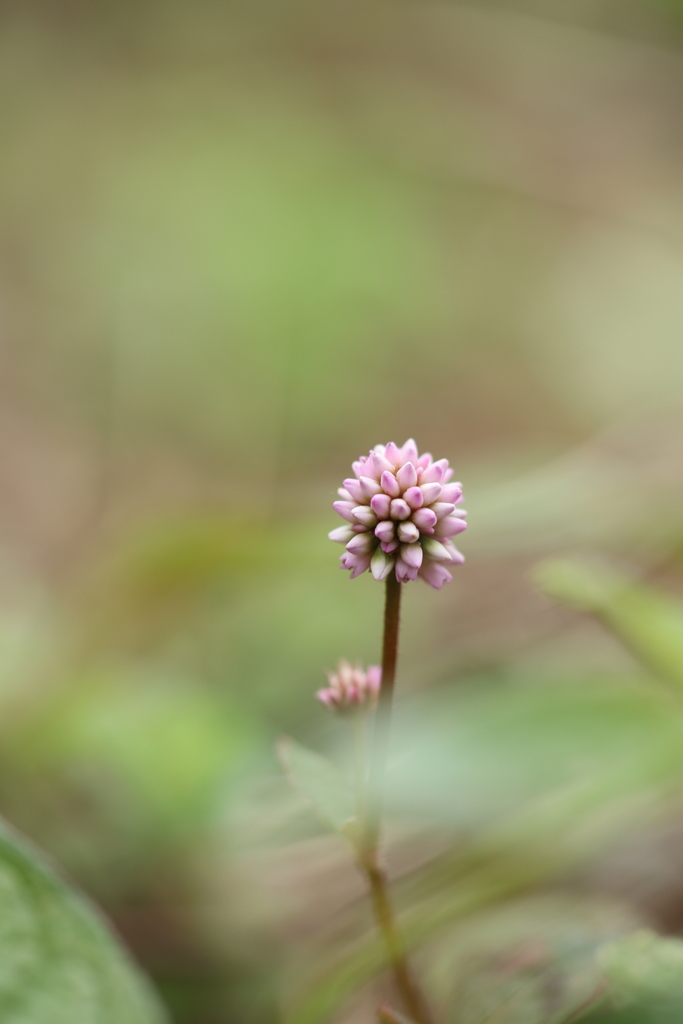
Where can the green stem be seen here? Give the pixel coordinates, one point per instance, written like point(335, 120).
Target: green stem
point(369, 850)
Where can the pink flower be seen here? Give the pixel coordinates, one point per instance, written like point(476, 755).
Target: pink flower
point(351, 688)
point(401, 513)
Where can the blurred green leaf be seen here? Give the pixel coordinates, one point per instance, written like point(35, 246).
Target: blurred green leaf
point(480, 754)
point(644, 965)
point(59, 963)
point(320, 783)
point(648, 622)
point(531, 962)
point(643, 975)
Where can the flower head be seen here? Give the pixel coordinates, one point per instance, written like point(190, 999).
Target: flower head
point(351, 688)
point(401, 513)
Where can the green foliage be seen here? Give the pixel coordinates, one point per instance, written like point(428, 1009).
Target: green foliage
point(59, 963)
point(643, 976)
point(320, 783)
point(648, 622)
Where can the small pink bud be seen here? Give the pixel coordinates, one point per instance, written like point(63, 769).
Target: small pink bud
point(344, 494)
point(407, 476)
point(355, 562)
point(393, 454)
point(424, 518)
point(361, 543)
point(351, 689)
point(434, 574)
point(389, 546)
point(390, 485)
point(408, 533)
point(381, 505)
point(450, 526)
point(380, 465)
point(435, 550)
point(414, 497)
point(441, 509)
point(370, 487)
point(430, 492)
point(434, 474)
point(400, 509)
point(356, 491)
point(457, 557)
point(451, 492)
point(385, 530)
point(409, 451)
point(344, 509)
point(381, 564)
point(424, 461)
point(341, 534)
point(365, 515)
point(412, 555)
point(405, 572)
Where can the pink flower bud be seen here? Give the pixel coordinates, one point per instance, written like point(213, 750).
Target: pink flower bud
point(381, 564)
point(407, 476)
point(424, 519)
point(386, 529)
point(393, 453)
point(341, 534)
point(434, 474)
point(405, 572)
point(356, 563)
point(351, 689)
point(400, 509)
point(408, 533)
point(430, 492)
point(412, 555)
point(380, 465)
point(414, 497)
point(434, 549)
point(381, 505)
point(361, 543)
point(450, 526)
point(390, 485)
point(365, 515)
point(441, 509)
point(370, 487)
point(451, 492)
point(434, 574)
point(345, 509)
point(409, 451)
point(355, 489)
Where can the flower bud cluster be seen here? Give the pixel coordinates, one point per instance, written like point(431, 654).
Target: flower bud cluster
point(351, 688)
point(401, 513)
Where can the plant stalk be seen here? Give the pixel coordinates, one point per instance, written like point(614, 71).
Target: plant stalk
point(369, 848)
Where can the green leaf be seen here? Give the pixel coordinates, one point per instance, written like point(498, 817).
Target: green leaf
point(643, 976)
point(532, 962)
point(644, 965)
point(59, 963)
point(646, 621)
point(320, 783)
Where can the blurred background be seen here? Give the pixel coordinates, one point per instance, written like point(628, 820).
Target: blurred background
point(241, 244)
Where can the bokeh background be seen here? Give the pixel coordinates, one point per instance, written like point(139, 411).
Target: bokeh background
point(242, 243)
